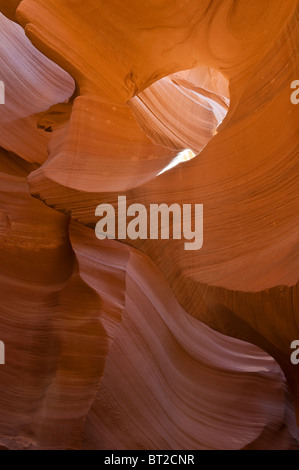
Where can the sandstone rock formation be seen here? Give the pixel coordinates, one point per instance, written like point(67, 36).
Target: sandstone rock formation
point(140, 344)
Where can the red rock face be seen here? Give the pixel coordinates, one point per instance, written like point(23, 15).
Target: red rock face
point(142, 344)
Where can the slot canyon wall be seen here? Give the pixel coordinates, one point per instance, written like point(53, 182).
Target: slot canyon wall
point(139, 343)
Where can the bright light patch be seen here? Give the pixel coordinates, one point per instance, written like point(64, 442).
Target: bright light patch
point(183, 156)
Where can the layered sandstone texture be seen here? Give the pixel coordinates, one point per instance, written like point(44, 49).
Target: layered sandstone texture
point(141, 344)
